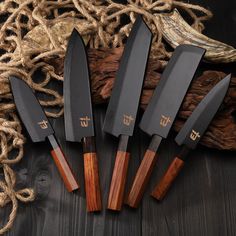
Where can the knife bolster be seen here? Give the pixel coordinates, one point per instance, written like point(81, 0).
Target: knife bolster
point(89, 145)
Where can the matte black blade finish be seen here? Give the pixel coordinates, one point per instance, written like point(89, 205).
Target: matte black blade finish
point(30, 111)
point(124, 101)
point(170, 92)
point(77, 97)
point(197, 123)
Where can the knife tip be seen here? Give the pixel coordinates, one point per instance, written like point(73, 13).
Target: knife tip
point(13, 79)
point(190, 48)
point(75, 34)
point(140, 20)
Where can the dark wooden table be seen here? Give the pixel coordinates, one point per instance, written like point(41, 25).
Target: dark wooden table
point(201, 202)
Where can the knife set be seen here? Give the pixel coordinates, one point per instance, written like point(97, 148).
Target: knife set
point(157, 119)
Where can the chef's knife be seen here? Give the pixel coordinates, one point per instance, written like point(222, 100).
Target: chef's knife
point(191, 133)
point(162, 110)
point(78, 115)
point(123, 104)
point(39, 128)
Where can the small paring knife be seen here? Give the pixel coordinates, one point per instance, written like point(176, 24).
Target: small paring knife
point(39, 128)
point(78, 114)
point(191, 133)
point(123, 105)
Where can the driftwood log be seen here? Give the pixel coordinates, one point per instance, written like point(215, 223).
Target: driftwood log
point(222, 132)
point(103, 66)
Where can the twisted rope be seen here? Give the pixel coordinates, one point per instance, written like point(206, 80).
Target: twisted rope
point(35, 32)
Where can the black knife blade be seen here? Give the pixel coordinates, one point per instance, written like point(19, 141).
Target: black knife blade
point(191, 133)
point(171, 90)
point(78, 115)
point(197, 123)
point(77, 97)
point(123, 105)
point(39, 128)
point(162, 110)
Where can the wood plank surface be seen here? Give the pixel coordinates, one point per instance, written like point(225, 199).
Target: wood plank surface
point(202, 201)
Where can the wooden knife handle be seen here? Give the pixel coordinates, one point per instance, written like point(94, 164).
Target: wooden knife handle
point(117, 187)
point(141, 179)
point(91, 175)
point(163, 186)
point(143, 174)
point(92, 183)
point(62, 165)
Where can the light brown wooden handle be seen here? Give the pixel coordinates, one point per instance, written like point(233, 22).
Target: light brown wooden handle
point(64, 169)
point(117, 187)
point(163, 186)
point(141, 179)
point(92, 184)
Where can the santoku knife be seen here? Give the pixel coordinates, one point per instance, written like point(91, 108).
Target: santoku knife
point(39, 128)
point(79, 125)
point(191, 133)
point(123, 105)
point(162, 110)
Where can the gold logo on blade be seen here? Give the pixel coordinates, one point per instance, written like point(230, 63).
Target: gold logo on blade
point(127, 120)
point(194, 135)
point(84, 121)
point(43, 124)
point(165, 120)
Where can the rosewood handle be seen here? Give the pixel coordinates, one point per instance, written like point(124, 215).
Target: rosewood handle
point(143, 174)
point(117, 187)
point(91, 176)
point(163, 186)
point(92, 185)
point(62, 165)
point(141, 179)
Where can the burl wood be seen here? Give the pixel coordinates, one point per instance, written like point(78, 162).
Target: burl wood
point(92, 185)
point(64, 169)
point(104, 63)
point(141, 179)
point(91, 175)
point(163, 186)
point(117, 187)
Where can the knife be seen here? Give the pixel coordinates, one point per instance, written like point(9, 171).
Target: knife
point(191, 133)
point(123, 105)
point(79, 125)
point(162, 110)
point(39, 127)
